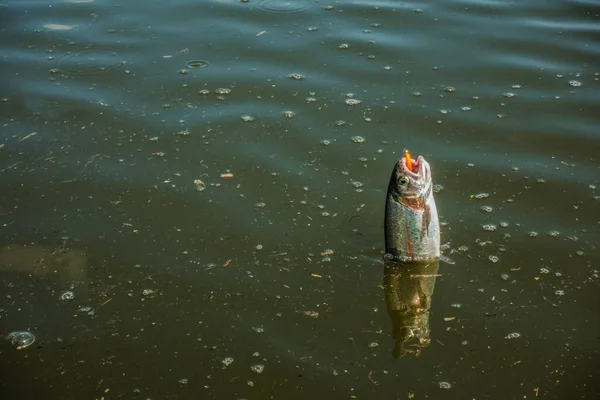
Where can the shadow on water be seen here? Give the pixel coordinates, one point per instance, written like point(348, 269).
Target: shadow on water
point(408, 289)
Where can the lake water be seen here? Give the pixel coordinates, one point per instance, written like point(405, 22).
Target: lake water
point(192, 198)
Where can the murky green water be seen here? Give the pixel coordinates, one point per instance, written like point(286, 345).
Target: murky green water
point(191, 173)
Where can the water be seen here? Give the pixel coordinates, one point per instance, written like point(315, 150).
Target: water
point(170, 259)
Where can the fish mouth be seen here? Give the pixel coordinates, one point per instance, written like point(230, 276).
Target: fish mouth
point(418, 167)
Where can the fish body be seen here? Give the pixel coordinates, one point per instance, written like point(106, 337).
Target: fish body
point(412, 228)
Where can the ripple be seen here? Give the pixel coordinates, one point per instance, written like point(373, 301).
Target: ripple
point(284, 7)
point(197, 64)
point(89, 61)
point(21, 339)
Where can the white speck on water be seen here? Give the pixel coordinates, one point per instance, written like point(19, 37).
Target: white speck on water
point(456, 305)
point(554, 234)
point(437, 188)
point(373, 345)
point(247, 118)
point(488, 209)
point(465, 108)
point(494, 259)
point(325, 142)
point(258, 368)
point(480, 196)
point(503, 224)
point(67, 296)
point(489, 227)
point(358, 139)
point(258, 329)
point(532, 234)
point(514, 335)
point(343, 46)
point(259, 247)
point(183, 381)
point(250, 383)
point(352, 102)
point(575, 84)
point(560, 293)
point(147, 292)
point(504, 277)
point(445, 385)
point(227, 361)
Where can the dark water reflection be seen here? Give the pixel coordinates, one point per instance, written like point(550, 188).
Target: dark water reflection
point(279, 264)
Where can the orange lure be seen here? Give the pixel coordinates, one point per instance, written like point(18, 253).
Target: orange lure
point(409, 164)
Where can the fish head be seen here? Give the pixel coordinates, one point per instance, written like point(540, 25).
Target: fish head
point(411, 187)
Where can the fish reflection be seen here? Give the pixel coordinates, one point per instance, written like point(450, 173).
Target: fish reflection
point(408, 289)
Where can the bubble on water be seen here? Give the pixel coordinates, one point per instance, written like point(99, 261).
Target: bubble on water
point(504, 277)
point(183, 381)
point(21, 339)
point(312, 29)
point(488, 209)
point(416, 94)
point(340, 123)
point(295, 76)
point(352, 102)
point(508, 95)
point(183, 71)
point(387, 67)
point(560, 293)
point(373, 345)
point(227, 361)
point(541, 180)
point(247, 118)
point(197, 64)
point(343, 46)
point(450, 89)
point(465, 108)
point(480, 196)
point(494, 259)
point(357, 139)
point(503, 224)
point(445, 385)
point(356, 184)
point(148, 292)
point(437, 188)
point(516, 86)
point(575, 83)
point(558, 274)
point(67, 296)
point(204, 92)
point(532, 234)
point(463, 248)
point(325, 214)
point(311, 99)
point(544, 270)
point(325, 142)
point(259, 247)
point(250, 383)
point(489, 227)
point(289, 114)
point(514, 335)
point(258, 368)
point(443, 111)
point(222, 91)
point(260, 205)
point(258, 329)
point(554, 234)
point(371, 57)
point(456, 305)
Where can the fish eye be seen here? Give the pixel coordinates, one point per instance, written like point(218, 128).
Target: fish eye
point(403, 181)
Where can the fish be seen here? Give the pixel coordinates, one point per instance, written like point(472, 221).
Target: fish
point(412, 227)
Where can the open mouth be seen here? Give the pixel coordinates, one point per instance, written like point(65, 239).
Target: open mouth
point(412, 166)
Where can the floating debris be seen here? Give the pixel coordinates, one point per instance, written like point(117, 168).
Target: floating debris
point(67, 296)
point(21, 339)
point(489, 227)
point(295, 76)
point(352, 102)
point(258, 368)
point(227, 361)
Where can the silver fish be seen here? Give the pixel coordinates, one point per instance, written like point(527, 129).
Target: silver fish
point(412, 228)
